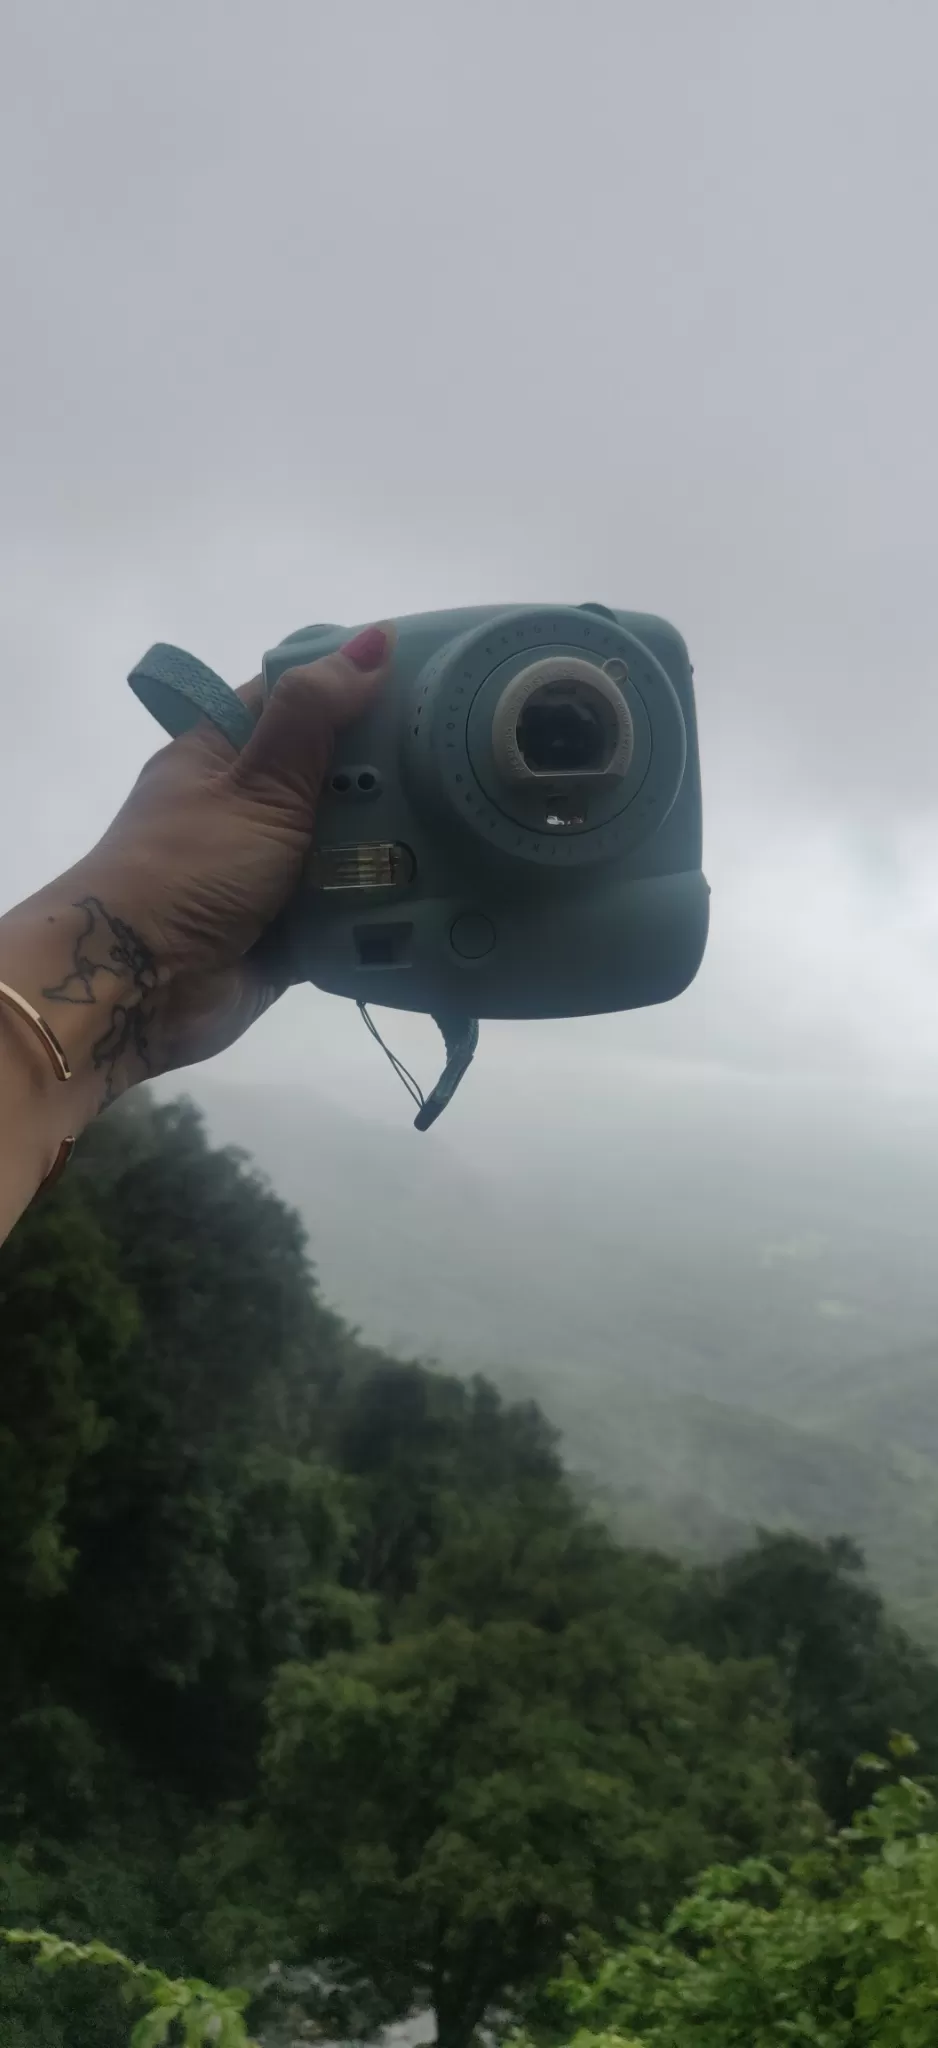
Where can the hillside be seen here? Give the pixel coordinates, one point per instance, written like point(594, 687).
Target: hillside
point(737, 1335)
point(698, 1475)
point(326, 1679)
point(726, 1242)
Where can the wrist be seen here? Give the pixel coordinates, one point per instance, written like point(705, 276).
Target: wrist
point(88, 974)
point(38, 1105)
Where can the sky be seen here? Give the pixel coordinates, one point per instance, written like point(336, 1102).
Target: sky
point(331, 309)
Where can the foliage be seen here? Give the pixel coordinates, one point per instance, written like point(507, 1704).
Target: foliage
point(202, 2013)
point(456, 1802)
point(321, 1674)
point(834, 1949)
point(849, 1674)
point(68, 1322)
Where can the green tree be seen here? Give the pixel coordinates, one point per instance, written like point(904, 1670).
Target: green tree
point(834, 1949)
point(454, 1804)
point(850, 1675)
point(417, 1445)
point(69, 1322)
point(210, 1525)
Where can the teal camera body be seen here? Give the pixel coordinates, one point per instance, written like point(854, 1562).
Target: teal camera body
point(515, 829)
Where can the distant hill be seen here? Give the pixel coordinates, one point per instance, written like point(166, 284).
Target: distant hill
point(892, 1399)
point(730, 1320)
point(720, 1244)
point(700, 1476)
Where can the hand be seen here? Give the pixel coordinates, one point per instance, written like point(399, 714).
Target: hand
point(143, 957)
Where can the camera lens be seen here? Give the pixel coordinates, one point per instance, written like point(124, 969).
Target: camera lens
point(562, 730)
point(561, 719)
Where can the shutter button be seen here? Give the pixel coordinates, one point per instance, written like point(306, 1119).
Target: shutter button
point(472, 935)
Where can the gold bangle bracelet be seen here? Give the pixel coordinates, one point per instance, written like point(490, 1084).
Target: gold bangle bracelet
point(47, 1039)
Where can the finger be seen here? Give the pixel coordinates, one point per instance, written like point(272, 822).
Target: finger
point(289, 751)
point(205, 739)
point(210, 738)
point(252, 694)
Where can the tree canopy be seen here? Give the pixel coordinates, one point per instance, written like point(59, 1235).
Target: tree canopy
point(317, 1659)
point(833, 1949)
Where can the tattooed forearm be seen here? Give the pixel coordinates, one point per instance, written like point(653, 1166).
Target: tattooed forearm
point(109, 948)
point(105, 945)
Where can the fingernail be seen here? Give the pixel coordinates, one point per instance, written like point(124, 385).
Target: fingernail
point(367, 650)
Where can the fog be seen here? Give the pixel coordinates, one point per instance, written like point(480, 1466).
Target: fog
point(335, 312)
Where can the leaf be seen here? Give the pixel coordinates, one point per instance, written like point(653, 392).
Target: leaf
point(233, 2033)
point(153, 2029)
point(902, 1745)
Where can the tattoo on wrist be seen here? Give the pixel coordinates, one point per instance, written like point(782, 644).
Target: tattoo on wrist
point(105, 947)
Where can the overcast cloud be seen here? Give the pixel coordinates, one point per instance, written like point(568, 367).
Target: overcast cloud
point(346, 307)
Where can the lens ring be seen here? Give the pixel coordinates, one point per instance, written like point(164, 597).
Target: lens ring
point(562, 719)
point(449, 762)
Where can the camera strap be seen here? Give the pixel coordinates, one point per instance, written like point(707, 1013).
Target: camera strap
point(177, 689)
point(460, 1037)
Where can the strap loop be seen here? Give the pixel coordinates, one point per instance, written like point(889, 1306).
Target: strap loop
point(178, 690)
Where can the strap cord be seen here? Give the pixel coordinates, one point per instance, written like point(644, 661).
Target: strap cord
point(460, 1037)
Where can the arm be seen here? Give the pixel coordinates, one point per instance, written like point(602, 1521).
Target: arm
point(140, 959)
point(86, 981)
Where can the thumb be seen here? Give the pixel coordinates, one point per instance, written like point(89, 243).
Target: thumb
point(289, 751)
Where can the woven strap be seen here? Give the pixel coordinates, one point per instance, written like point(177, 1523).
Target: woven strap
point(178, 690)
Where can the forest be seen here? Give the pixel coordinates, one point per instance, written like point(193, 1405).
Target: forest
point(738, 1329)
point(324, 1679)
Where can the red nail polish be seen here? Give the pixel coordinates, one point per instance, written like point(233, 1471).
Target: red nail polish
point(367, 650)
